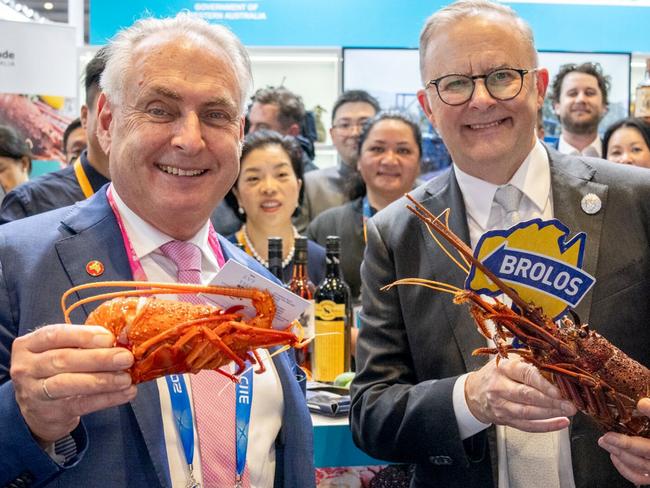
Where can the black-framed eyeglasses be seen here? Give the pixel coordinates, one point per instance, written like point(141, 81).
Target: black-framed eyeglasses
point(502, 84)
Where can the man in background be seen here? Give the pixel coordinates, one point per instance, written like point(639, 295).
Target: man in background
point(79, 180)
point(579, 96)
point(281, 110)
point(75, 140)
point(326, 188)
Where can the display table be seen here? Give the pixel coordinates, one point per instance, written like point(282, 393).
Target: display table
point(333, 445)
point(340, 464)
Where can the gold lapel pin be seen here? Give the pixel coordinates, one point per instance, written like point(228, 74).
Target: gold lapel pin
point(95, 268)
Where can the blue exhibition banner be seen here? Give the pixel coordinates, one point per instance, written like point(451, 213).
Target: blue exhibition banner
point(558, 26)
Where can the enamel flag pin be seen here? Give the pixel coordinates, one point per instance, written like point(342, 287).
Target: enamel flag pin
point(95, 268)
point(538, 260)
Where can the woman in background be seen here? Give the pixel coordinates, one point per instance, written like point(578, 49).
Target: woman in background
point(628, 142)
point(389, 161)
point(267, 193)
point(15, 159)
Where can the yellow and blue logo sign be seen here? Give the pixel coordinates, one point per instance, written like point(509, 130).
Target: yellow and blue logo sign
point(538, 261)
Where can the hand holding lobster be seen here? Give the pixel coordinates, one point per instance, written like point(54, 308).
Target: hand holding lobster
point(61, 372)
point(630, 455)
point(515, 393)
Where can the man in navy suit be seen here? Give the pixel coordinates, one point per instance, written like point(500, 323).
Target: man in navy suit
point(171, 121)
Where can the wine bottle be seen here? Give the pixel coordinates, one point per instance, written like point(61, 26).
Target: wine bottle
point(275, 257)
point(333, 319)
point(302, 286)
point(642, 101)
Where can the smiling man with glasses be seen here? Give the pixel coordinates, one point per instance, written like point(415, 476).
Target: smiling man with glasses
point(419, 396)
point(325, 188)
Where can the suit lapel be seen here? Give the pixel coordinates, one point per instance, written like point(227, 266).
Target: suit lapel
point(96, 236)
point(444, 192)
point(571, 180)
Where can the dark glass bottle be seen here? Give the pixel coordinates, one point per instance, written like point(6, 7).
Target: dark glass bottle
point(275, 257)
point(301, 285)
point(333, 319)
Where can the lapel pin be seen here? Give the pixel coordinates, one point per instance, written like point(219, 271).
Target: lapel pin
point(95, 268)
point(591, 203)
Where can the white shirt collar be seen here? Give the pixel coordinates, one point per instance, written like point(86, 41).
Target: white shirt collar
point(146, 239)
point(533, 178)
point(565, 148)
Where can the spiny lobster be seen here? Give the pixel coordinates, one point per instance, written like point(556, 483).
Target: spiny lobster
point(600, 379)
point(174, 337)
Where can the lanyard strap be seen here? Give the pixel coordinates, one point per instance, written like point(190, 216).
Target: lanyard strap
point(82, 178)
point(367, 213)
point(244, 401)
point(182, 414)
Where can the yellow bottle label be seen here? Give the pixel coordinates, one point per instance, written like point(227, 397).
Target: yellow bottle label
point(329, 344)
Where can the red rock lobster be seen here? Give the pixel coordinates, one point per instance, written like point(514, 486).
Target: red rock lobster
point(600, 379)
point(174, 337)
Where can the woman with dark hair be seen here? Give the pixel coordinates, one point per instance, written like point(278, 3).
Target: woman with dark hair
point(628, 142)
point(267, 193)
point(390, 148)
point(15, 159)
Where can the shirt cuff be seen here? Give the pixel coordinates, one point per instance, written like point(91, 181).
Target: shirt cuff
point(63, 450)
point(468, 425)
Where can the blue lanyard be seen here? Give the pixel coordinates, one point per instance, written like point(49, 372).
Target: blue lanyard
point(182, 414)
point(183, 417)
point(244, 400)
point(367, 213)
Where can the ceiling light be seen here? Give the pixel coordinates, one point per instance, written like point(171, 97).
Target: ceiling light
point(48, 5)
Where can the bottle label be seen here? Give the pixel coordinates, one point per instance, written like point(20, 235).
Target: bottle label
point(642, 102)
point(329, 344)
point(329, 310)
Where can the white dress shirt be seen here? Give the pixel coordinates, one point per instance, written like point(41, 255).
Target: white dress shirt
point(533, 179)
point(268, 402)
point(594, 149)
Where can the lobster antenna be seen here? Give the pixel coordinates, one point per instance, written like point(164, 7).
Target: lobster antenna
point(464, 267)
point(434, 285)
point(431, 220)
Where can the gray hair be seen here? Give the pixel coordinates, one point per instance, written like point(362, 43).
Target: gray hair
point(184, 25)
point(463, 9)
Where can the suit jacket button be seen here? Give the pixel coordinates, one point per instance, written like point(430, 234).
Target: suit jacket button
point(441, 460)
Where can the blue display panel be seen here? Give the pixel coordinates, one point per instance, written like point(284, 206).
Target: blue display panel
point(383, 23)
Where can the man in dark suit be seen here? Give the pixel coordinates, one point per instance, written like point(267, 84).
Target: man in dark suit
point(171, 120)
point(420, 396)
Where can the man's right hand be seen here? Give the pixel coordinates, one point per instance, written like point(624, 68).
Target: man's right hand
point(515, 393)
point(77, 367)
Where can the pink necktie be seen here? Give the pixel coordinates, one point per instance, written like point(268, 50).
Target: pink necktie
point(213, 393)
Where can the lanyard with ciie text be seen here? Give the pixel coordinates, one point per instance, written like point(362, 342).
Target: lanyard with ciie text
point(183, 418)
point(176, 384)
